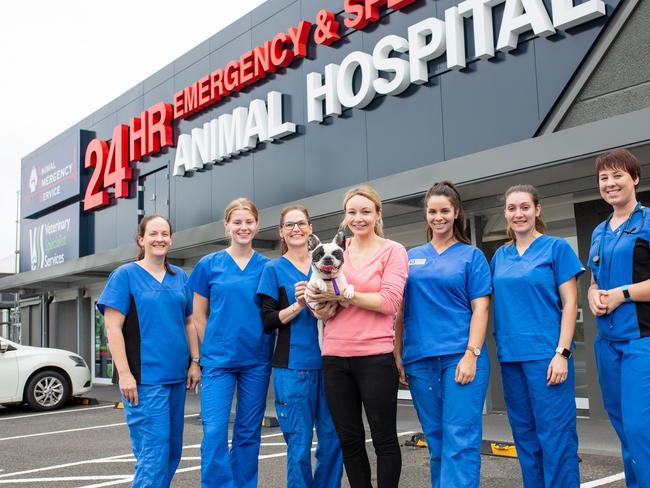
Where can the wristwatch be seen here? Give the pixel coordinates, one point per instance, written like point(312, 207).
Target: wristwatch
point(474, 350)
point(196, 360)
point(626, 294)
point(565, 353)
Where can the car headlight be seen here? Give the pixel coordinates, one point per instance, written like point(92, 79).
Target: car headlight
point(78, 361)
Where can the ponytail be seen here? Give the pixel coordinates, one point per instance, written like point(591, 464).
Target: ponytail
point(448, 190)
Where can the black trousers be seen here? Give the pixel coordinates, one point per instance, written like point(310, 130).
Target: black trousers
point(371, 382)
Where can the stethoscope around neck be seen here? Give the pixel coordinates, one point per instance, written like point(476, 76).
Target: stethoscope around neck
point(626, 230)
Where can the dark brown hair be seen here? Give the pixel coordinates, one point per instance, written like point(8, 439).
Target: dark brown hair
point(283, 245)
point(448, 190)
point(620, 159)
point(142, 228)
point(534, 196)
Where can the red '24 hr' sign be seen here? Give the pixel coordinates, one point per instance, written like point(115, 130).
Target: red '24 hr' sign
point(147, 134)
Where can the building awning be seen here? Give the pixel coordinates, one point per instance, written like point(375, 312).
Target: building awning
point(558, 163)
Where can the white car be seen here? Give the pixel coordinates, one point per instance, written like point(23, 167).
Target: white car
point(44, 378)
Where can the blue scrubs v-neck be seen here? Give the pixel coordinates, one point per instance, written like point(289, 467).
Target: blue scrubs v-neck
point(297, 342)
point(437, 299)
point(234, 334)
point(527, 303)
point(623, 258)
point(154, 325)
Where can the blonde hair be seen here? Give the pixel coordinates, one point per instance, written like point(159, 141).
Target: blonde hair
point(371, 194)
point(241, 203)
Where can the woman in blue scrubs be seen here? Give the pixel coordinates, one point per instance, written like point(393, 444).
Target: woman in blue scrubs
point(235, 351)
point(619, 259)
point(535, 307)
point(149, 326)
point(300, 400)
point(439, 343)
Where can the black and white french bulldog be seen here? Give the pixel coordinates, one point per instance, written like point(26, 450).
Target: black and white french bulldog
point(327, 272)
point(327, 266)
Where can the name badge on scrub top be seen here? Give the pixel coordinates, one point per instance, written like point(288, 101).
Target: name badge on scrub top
point(417, 262)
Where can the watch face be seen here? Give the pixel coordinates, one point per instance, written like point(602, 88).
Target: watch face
point(477, 351)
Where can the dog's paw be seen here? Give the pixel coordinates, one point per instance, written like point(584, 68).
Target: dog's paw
point(349, 292)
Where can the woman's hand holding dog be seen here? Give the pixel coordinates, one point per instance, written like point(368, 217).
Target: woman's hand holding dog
point(325, 311)
point(299, 291)
point(314, 295)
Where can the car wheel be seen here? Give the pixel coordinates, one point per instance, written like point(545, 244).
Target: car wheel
point(47, 390)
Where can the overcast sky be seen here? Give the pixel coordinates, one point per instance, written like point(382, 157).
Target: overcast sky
point(62, 60)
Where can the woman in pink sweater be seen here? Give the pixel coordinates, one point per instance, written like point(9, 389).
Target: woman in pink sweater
point(358, 364)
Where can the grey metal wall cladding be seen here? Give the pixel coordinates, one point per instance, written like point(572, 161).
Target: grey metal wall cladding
point(488, 104)
point(30, 318)
point(127, 220)
point(63, 320)
point(106, 227)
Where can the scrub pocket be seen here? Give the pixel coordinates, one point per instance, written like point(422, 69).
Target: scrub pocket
point(291, 391)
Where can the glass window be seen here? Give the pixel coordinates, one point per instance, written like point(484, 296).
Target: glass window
point(103, 360)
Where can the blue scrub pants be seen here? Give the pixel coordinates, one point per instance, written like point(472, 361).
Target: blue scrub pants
point(156, 430)
point(237, 467)
point(301, 404)
point(451, 416)
point(624, 377)
point(543, 422)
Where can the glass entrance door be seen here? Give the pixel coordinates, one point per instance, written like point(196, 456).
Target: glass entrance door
point(102, 361)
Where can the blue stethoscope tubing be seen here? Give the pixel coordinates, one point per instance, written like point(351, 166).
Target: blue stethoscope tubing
point(597, 258)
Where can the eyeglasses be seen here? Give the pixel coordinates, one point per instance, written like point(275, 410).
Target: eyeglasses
point(302, 225)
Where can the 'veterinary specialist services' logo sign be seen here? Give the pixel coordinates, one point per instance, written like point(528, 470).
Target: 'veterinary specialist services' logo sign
point(50, 240)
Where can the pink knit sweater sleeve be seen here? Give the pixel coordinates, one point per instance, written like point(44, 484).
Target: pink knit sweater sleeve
point(393, 279)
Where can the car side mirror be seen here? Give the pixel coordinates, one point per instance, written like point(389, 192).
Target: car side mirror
point(4, 346)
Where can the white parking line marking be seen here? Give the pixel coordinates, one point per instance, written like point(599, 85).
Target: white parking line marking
point(268, 444)
point(59, 466)
point(603, 481)
point(74, 410)
point(124, 458)
point(104, 459)
point(132, 460)
point(196, 468)
point(277, 434)
point(61, 431)
point(67, 478)
point(106, 426)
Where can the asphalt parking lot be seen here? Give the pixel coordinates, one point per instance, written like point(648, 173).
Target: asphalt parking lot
point(88, 446)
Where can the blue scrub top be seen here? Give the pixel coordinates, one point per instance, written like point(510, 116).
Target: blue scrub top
point(527, 303)
point(234, 335)
point(623, 259)
point(154, 325)
point(437, 296)
point(297, 344)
